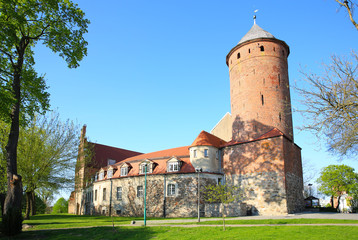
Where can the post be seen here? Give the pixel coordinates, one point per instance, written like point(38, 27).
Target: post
point(198, 170)
point(145, 195)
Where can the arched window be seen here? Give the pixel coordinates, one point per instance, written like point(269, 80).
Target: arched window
point(238, 55)
point(262, 48)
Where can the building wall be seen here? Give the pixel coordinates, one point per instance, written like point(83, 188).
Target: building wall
point(211, 163)
point(223, 128)
point(294, 176)
point(259, 169)
point(260, 95)
point(159, 203)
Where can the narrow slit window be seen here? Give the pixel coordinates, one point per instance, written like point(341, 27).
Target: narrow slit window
point(238, 55)
point(262, 99)
point(274, 49)
point(279, 116)
point(249, 50)
point(262, 48)
point(279, 79)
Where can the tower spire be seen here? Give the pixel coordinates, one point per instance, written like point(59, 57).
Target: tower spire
point(255, 15)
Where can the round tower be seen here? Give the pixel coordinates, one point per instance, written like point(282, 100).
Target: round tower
point(259, 86)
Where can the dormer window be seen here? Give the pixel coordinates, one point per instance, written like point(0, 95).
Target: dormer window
point(110, 173)
point(124, 171)
point(101, 175)
point(173, 165)
point(146, 166)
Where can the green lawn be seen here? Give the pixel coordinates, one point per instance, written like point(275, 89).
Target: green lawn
point(276, 232)
point(95, 231)
point(271, 221)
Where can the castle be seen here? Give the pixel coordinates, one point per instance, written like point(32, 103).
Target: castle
point(252, 148)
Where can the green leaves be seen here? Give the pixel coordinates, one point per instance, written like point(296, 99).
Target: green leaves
point(59, 24)
point(218, 193)
point(336, 180)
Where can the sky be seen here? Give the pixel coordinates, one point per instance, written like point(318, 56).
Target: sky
point(155, 75)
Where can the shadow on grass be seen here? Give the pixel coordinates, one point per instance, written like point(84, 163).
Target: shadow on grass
point(91, 233)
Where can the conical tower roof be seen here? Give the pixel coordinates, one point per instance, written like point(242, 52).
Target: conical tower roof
point(207, 139)
point(254, 33)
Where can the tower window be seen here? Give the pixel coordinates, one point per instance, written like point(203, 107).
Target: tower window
point(279, 79)
point(238, 55)
point(262, 99)
point(274, 49)
point(283, 52)
point(279, 116)
point(262, 48)
point(206, 152)
point(249, 50)
point(263, 81)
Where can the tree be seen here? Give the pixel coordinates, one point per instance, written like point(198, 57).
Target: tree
point(60, 25)
point(336, 180)
point(331, 104)
point(350, 6)
point(223, 194)
point(61, 206)
point(46, 155)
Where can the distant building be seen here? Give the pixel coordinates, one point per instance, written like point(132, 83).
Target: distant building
point(252, 148)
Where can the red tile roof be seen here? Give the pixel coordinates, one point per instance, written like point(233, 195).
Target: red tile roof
point(207, 139)
point(103, 153)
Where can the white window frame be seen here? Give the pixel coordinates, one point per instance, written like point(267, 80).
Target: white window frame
point(206, 152)
point(195, 153)
point(142, 168)
point(171, 189)
point(119, 193)
point(124, 171)
point(173, 167)
point(101, 175)
point(140, 191)
point(110, 173)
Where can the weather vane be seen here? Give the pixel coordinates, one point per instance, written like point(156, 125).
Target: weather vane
point(255, 15)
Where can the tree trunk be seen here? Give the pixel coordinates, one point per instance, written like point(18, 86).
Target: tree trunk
point(33, 204)
point(338, 201)
point(28, 205)
point(12, 220)
point(332, 201)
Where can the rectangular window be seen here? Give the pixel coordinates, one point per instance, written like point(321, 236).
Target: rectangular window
point(95, 195)
point(206, 152)
point(104, 194)
point(195, 153)
point(220, 181)
point(140, 191)
point(171, 189)
point(101, 176)
point(124, 171)
point(110, 173)
point(144, 167)
point(119, 193)
point(173, 167)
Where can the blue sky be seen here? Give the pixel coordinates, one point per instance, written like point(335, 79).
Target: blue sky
point(155, 74)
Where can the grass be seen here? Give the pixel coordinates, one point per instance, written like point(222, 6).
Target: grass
point(271, 221)
point(52, 221)
point(276, 232)
point(97, 229)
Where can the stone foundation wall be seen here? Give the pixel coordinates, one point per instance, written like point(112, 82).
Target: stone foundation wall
point(159, 202)
point(231, 209)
